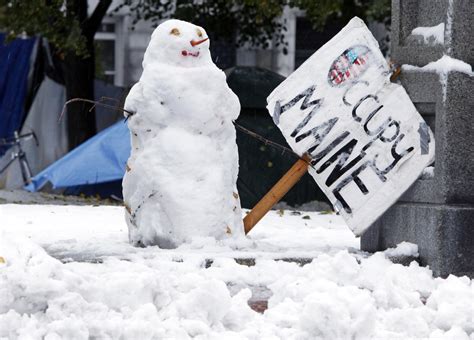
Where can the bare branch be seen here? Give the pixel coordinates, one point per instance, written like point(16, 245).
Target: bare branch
point(96, 103)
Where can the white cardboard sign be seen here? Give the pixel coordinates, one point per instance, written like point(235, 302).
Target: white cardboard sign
point(366, 140)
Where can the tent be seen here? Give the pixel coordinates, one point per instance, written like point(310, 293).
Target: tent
point(51, 136)
point(32, 96)
point(15, 60)
point(100, 159)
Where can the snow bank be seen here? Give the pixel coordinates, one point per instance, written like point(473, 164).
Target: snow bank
point(153, 293)
point(433, 35)
point(333, 297)
point(338, 298)
point(42, 298)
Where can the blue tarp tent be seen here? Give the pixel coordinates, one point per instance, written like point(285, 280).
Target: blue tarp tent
point(100, 159)
point(14, 66)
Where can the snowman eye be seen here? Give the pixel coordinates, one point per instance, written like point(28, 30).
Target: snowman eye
point(199, 33)
point(175, 31)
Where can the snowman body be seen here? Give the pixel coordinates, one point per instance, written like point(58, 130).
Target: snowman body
point(181, 176)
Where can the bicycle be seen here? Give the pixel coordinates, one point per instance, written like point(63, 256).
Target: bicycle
point(18, 153)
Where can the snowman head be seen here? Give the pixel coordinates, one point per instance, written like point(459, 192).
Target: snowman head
point(178, 43)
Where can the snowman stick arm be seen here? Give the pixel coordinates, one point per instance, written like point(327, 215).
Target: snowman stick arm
point(276, 193)
point(96, 103)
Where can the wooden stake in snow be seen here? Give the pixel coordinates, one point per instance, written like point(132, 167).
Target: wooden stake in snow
point(276, 193)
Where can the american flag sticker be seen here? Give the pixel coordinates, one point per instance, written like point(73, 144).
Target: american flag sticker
point(349, 65)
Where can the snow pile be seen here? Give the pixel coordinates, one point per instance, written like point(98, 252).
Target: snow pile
point(337, 298)
point(403, 249)
point(182, 172)
point(442, 66)
point(154, 293)
point(433, 35)
point(43, 298)
point(332, 297)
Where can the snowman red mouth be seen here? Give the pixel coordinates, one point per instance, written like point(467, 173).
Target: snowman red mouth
point(185, 53)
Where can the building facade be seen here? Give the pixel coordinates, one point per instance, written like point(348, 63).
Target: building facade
point(120, 49)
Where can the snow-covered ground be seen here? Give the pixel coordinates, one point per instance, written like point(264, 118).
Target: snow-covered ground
point(68, 272)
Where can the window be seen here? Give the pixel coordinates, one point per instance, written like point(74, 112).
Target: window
point(109, 51)
point(309, 40)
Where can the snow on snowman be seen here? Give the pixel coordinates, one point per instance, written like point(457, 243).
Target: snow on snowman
point(180, 179)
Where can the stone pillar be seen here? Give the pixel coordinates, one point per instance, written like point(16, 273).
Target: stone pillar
point(437, 212)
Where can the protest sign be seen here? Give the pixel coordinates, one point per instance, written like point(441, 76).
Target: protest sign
point(365, 139)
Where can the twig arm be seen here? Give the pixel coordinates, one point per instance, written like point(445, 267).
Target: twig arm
point(95, 103)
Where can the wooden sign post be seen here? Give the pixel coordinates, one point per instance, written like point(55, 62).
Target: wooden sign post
point(276, 193)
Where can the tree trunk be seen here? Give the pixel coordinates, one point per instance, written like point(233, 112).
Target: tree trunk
point(79, 74)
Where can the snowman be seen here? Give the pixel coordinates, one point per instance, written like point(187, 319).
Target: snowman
point(180, 180)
